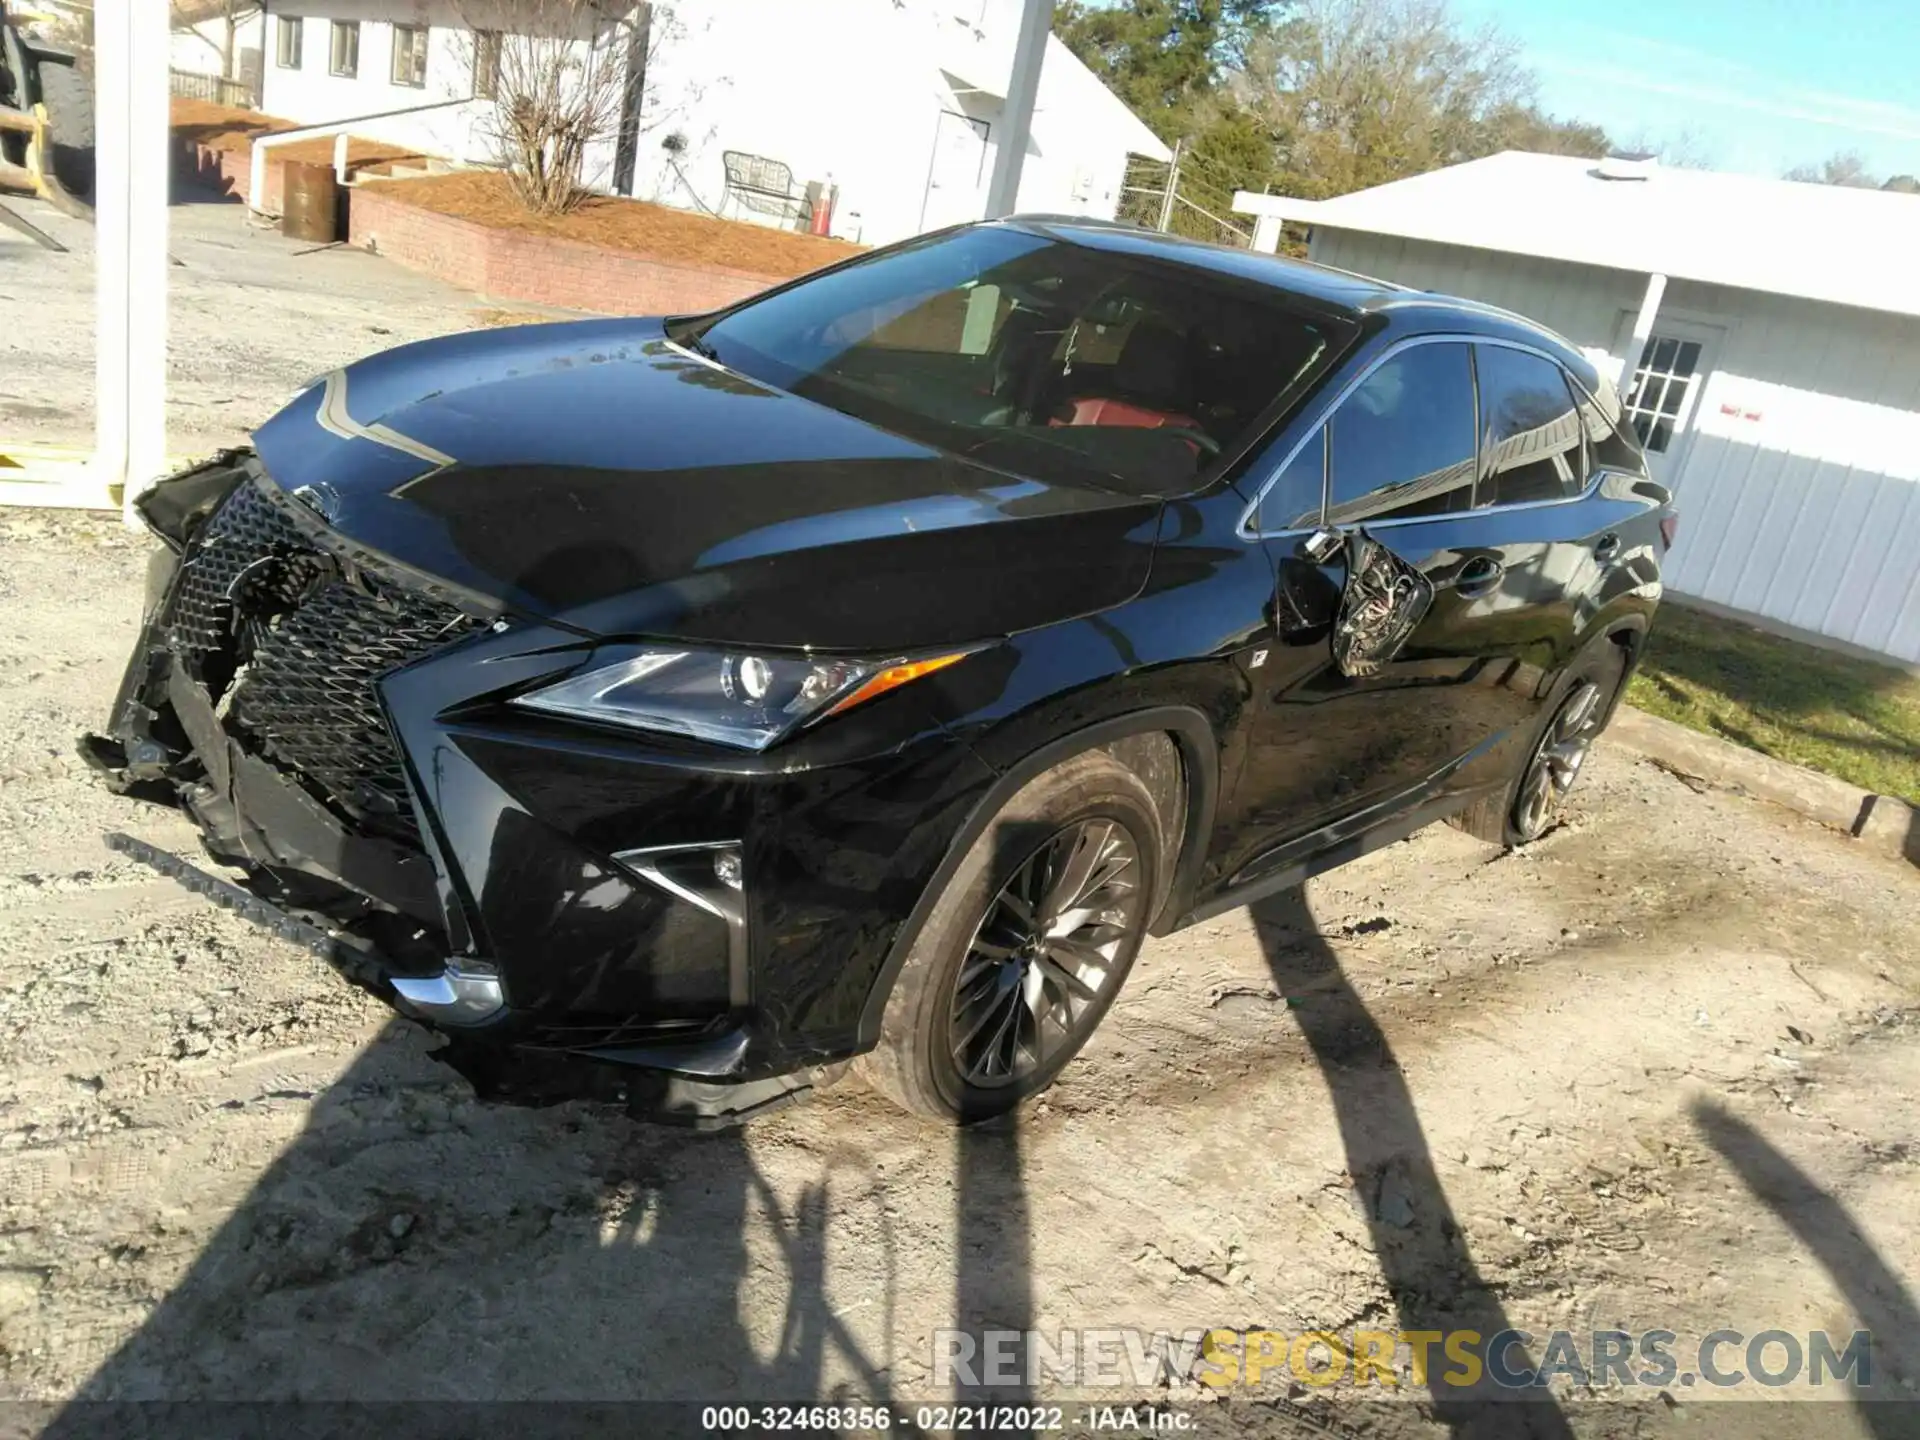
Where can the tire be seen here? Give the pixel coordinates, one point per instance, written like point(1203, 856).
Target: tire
point(1583, 702)
point(1090, 810)
point(68, 96)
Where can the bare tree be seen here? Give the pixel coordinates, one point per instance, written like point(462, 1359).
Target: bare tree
point(1357, 93)
point(1685, 150)
point(1843, 167)
point(563, 76)
point(188, 15)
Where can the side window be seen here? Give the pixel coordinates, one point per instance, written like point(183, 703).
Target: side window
point(1294, 499)
point(1609, 446)
point(1402, 443)
point(1530, 433)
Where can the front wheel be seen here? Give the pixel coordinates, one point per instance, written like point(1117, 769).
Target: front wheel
point(1026, 948)
point(1522, 810)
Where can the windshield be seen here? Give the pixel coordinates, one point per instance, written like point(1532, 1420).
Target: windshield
point(1032, 354)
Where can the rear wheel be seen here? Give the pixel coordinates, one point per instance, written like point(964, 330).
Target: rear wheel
point(1026, 948)
point(1523, 809)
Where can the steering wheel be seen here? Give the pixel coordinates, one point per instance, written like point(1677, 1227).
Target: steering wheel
point(1199, 439)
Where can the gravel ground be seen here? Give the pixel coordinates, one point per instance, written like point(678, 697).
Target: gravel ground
point(251, 317)
point(1654, 1072)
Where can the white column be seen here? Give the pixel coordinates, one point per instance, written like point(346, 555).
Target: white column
point(1266, 234)
point(1642, 328)
point(130, 262)
point(1016, 116)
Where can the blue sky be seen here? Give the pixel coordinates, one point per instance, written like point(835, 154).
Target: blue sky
point(1758, 84)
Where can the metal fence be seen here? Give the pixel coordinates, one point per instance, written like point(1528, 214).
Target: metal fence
point(1201, 203)
point(217, 88)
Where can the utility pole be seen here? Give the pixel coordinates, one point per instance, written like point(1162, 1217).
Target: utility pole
point(1173, 186)
point(1016, 115)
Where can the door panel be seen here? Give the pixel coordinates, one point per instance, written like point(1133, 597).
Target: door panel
point(1440, 714)
point(1328, 744)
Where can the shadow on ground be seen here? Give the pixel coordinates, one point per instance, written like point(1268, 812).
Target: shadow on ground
point(1423, 1255)
point(1822, 1225)
point(410, 1246)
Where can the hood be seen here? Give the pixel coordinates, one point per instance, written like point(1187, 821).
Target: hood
point(596, 475)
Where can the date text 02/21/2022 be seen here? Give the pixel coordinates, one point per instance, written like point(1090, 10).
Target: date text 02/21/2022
point(941, 1419)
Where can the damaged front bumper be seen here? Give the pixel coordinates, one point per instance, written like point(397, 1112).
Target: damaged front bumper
point(544, 895)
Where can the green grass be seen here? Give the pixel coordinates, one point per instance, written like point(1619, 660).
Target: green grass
point(1851, 718)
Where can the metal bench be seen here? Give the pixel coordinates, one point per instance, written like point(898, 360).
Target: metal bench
point(762, 185)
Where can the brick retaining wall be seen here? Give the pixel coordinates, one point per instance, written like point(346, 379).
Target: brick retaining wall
point(514, 265)
point(227, 171)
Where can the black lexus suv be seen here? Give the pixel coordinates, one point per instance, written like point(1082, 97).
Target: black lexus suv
point(674, 710)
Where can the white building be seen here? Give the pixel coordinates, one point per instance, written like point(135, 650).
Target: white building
point(1775, 330)
point(895, 102)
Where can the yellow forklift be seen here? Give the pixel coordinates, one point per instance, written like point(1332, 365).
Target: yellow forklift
point(46, 122)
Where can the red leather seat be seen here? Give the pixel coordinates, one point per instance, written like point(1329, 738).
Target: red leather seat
point(1095, 410)
point(1149, 384)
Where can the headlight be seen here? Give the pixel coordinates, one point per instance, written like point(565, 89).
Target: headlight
point(728, 697)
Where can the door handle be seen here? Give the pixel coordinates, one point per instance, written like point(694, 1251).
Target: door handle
point(1606, 547)
point(1478, 575)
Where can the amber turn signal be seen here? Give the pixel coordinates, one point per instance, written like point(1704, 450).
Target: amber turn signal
point(893, 677)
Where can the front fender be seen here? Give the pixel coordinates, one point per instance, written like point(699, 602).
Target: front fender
point(1192, 735)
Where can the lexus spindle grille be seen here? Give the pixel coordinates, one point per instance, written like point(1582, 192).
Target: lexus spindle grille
point(294, 640)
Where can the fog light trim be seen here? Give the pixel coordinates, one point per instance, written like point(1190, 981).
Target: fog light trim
point(710, 876)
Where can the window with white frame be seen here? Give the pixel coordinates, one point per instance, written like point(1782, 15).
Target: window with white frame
point(410, 55)
point(286, 42)
point(1668, 369)
point(486, 64)
point(344, 57)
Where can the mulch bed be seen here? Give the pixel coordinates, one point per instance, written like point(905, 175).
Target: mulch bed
point(228, 128)
point(654, 231)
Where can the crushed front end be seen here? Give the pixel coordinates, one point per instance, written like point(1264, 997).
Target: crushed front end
point(566, 907)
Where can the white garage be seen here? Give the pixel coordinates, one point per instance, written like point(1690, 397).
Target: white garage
point(1775, 331)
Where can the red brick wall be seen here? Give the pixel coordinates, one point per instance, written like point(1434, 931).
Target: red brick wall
point(510, 265)
point(226, 171)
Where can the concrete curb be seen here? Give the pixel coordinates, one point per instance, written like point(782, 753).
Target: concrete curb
point(1886, 824)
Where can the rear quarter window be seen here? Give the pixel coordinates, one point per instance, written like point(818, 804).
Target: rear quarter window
point(1532, 439)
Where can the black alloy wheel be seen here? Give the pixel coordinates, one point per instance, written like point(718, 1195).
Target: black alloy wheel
point(1557, 759)
point(1027, 944)
point(1046, 954)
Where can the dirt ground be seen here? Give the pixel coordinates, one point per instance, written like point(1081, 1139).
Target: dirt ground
point(1656, 1072)
point(252, 316)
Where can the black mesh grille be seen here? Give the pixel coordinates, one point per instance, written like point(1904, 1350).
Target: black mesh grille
point(203, 622)
point(301, 639)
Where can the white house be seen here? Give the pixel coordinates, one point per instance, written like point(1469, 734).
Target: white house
point(1775, 333)
point(894, 102)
